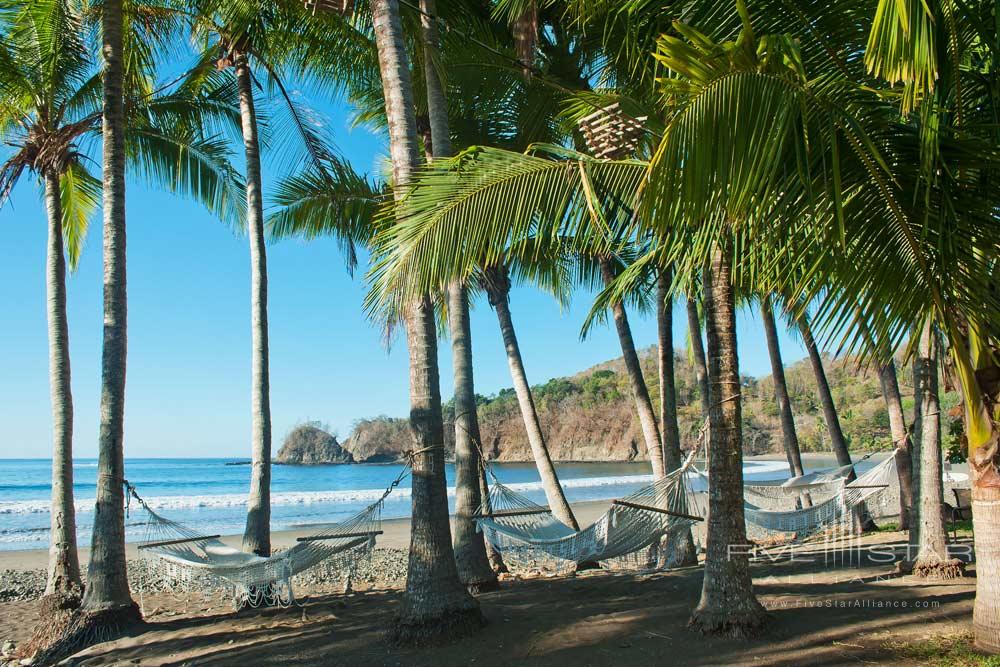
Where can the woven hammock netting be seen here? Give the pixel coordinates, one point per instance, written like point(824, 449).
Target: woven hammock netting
point(633, 533)
point(827, 503)
point(783, 494)
point(183, 559)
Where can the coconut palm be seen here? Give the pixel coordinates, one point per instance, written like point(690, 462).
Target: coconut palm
point(435, 604)
point(928, 537)
point(497, 284)
point(697, 349)
point(788, 435)
point(52, 108)
point(683, 551)
point(266, 39)
point(838, 443)
point(47, 150)
point(901, 442)
point(718, 180)
point(945, 56)
point(107, 595)
point(470, 549)
point(633, 369)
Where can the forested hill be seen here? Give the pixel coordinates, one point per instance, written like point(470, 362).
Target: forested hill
point(590, 416)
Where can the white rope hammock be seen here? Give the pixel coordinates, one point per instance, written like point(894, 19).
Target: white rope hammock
point(833, 511)
point(186, 559)
point(523, 530)
point(779, 494)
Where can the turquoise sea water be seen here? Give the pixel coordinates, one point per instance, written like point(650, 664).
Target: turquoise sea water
point(212, 495)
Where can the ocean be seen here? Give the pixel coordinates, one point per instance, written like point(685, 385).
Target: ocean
point(210, 494)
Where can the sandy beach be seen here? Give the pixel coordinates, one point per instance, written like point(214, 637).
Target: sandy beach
point(827, 607)
point(845, 611)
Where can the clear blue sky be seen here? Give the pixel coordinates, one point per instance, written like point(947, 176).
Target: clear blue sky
point(188, 391)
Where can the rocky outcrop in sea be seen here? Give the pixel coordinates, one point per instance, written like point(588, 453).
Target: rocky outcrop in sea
point(309, 444)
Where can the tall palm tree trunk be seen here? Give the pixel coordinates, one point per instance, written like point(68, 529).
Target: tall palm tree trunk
point(789, 437)
point(470, 548)
point(633, 369)
point(435, 604)
point(700, 366)
point(107, 608)
point(107, 584)
point(497, 285)
point(838, 443)
point(257, 535)
point(728, 605)
point(916, 429)
point(64, 563)
point(682, 551)
point(494, 555)
point(698, 352)
point(932, 550)
point(901, 442)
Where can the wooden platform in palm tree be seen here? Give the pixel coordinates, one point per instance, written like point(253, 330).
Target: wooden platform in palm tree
point(342, 7)
point(610, 133)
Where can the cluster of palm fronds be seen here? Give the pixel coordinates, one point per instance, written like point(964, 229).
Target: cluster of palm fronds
point(842, 155)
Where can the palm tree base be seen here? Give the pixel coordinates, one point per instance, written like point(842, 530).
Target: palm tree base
point(431, 630)
point(61, 600)
point(937, 568)
point(731, 624)
point(57, 611)
point(71, 630)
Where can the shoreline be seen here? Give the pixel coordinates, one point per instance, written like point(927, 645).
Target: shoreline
point(395, 530)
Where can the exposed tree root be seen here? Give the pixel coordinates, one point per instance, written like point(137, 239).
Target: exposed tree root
point(745, 625)
point(74, 630)
point(429, 631)
point(935, 568)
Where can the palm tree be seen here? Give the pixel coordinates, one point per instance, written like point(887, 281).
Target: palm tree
point(789, 438)
point(435, 604)
point(51, 106)
point(728, 605)
point(107, 595)
point(683, 551)
point(838, 443)
point(262, 38)
point(633, 369)
point(931, 558)
point(949, 94)
point(34, 97)
point(900, 439)
point(496, 282)
point(474, 569)
point(698, 353)
point(705, 197)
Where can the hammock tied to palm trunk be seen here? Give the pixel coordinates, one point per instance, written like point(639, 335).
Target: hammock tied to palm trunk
point(524, 530)
point(186, 559)
point(835, 500)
